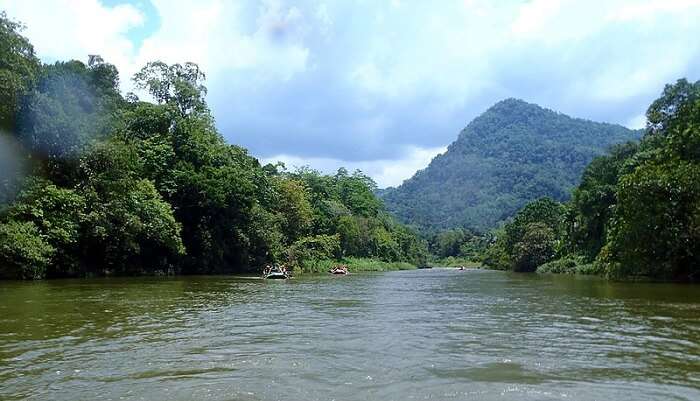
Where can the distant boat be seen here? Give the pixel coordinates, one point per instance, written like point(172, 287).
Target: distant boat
point(340, 269)
point(275, 273)
point(276, 276)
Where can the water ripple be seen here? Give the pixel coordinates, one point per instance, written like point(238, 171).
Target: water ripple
point(420, 335)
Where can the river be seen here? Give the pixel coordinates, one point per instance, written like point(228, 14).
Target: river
point(439, 334)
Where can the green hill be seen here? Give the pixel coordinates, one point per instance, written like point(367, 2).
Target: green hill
point(511, 154)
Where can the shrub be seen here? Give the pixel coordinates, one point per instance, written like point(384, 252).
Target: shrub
point(24, 254)
point(569, 265)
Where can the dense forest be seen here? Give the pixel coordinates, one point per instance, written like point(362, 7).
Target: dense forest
point(636, 212)
point(95, 182)
point(513, 153)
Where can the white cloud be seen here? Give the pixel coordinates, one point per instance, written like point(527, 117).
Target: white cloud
point(533, 16)
point(324, 19)
point(208, 32)
point(646, 10)
point(364, 80)
point(391, 173)
point(215, 35)
point(86, 27)
point(637, 122)
point(387, 173)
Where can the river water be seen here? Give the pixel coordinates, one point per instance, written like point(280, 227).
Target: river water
point(439, 334)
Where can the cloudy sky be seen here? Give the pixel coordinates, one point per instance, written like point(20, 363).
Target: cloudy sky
point(383, 85)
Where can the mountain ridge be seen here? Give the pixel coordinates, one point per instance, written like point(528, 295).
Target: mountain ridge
point(512, 153)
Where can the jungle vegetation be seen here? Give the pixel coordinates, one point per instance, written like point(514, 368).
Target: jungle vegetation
point(95, 182)
point(636, 212)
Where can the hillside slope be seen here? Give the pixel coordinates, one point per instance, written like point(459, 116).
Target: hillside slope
point(512, 153)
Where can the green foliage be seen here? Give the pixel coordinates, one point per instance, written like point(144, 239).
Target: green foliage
point(309, 249)
point(345, 205)
point(355, 265)
point(654, 230)
point(412, 249)
point(123, 186)
point(24, 253)
point(496, 256)
point(535, 247)
point(357, 193)
point(452, 261)
point(131, 230)
point(448, 243)
point(294, 206)
point(530, 239)
point(58, 214)
point(353, 234)
point(180, 86)
point(215, 204)
point(228, 206)
point(591, 205)
point(18, 69)
point(512, 154)
point(569, 265)
point(636, 211)
point(457, 247)
point(545, 211)
point(675, 110)
point(71, 105)
point(383, 245)
point(13, 168)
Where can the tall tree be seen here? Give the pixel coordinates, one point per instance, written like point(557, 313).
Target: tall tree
point(592, 202)
point(18, 69)
point(655, 230)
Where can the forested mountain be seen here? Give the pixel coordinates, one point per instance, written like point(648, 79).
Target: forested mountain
point(513, 153)
point(635, 213)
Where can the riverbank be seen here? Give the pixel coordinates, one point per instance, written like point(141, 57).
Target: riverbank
point(456, 262)
point(575, 265)
point(354, 265)
point(564, 266)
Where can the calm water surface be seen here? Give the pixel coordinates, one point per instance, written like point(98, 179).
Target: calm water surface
point(418, 335)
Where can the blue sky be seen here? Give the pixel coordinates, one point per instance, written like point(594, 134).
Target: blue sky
point(383, 85)
point(150, 19)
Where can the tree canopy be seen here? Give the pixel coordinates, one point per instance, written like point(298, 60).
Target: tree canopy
point(119, 185)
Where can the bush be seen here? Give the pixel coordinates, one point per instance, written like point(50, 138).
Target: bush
point(496, 257)
point(24, 254)
point(308, 250)
point(354, 265)
point(569, 265)
point(535, 248)
point(58, 214)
